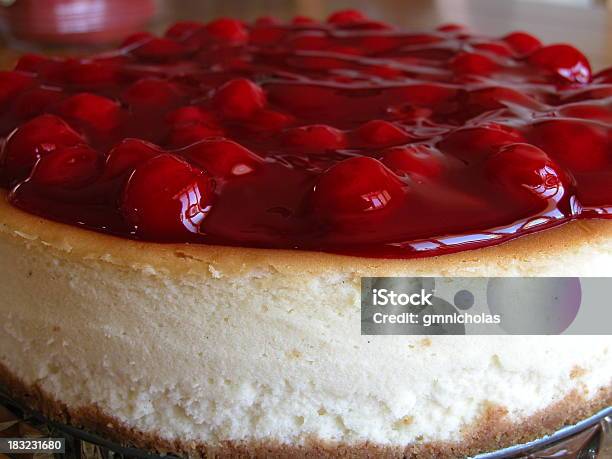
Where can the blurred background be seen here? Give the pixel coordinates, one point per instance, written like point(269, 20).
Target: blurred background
point(53, 24)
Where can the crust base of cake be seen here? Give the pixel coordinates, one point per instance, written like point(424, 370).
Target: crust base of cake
point(489, 433)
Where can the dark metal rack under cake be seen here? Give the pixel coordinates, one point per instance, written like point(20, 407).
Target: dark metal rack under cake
point(588, 439)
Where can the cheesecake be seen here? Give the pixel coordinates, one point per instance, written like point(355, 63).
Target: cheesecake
point(186, 220)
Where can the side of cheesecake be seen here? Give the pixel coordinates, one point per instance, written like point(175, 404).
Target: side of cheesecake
point(186, 219)
point(196, 349)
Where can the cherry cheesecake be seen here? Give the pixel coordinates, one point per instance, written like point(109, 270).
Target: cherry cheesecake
point(185, 222)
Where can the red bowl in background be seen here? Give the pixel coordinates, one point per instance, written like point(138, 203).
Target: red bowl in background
point(75, 22)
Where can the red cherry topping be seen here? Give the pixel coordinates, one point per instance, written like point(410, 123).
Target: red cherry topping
point(160, 49)
point(190, 125)
point(93, 74)
point(31, 63)
point(522, 43)
point(316, 138)
point(605, 76)
point(580, 146)
point(451, 28)
point(222, 157)
point(67, 167)
point(266, 21)
point(127, 155)
point(498, 48)
point(36, 101)
point(35, 139)
point(166, 199)
point(425, 95)
point(152, 94)
point(183, 29)
point(588, 112)
point(370, 25)
point(524, 168)
point(355, 187)
point(475, 143)
point(309, 41)
point(342, 136)
point(267, 35)
point(239, 98)
point(228, 30)
point(595, 92)
point(185, 134)
point(563, 60)
point(270, 120)
point(190, 115)
point(382, 133)
point(473, 64)
point(137, 38)
point(93, 111)
point(346, 17)
point(302, 20)
point(11, 83)
point(500, 97)
point(47, 69)
point(421, 160)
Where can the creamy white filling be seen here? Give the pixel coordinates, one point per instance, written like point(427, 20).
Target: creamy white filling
point(265, 355)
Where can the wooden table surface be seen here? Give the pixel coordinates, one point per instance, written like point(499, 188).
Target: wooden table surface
point(590, 29)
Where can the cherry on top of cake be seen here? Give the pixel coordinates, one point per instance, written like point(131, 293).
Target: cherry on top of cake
point(345, 136)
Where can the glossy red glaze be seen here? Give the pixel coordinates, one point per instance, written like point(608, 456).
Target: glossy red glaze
point(346, 136)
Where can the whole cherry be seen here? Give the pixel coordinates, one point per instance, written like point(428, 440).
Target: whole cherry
point(32, 140)
point(239, 98)
point(31, 63)
point(152, 94)
point(67, 167)
point(346, 17)
point(36, 101)
point(381, 133)
point(493, 47)
point(167, 199)
point(91, 73)
point(581, 146)
point(11, 84)
point(316, 138)
point(227, 30)
point(605, 76)
point(564, 61)
point(191, 114)
point(596, 112)
point(420, 159)
point(496, 97)
point(522, 43)
point(127, 155)
point(92, 111)
point(182, 135)
point(473, 64)
point(356, 187)
point(524, 169)
point(270, 121)
point(161, 49)
point(221, 157)
point(183, 29)
point(473, 144)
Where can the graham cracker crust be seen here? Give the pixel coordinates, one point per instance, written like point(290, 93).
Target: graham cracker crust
point(492, 431)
